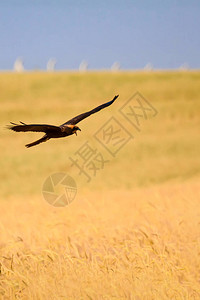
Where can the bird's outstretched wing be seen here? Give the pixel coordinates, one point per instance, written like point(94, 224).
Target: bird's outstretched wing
point(34, 127)
point(80, 117)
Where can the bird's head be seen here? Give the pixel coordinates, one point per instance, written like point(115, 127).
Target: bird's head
point(75, 128)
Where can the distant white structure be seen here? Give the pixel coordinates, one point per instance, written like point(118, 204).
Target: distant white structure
point(83, 66)
point(51, 65)
point(148, 67)
point(19, 65)
point(184, 67)
point(115, 66)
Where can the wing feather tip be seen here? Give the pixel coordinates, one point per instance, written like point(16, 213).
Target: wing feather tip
point(115, 97)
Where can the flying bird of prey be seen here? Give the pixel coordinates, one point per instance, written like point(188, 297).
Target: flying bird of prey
point(52, 131)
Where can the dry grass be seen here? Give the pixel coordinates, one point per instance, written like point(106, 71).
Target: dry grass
point(133, 232)
point(142, 244)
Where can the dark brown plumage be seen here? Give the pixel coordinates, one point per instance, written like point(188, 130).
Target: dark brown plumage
point(52, 131)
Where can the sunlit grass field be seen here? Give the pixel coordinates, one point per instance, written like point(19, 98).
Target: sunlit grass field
point(132, 232)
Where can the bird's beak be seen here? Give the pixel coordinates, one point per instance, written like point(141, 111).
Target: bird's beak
point(75, 131)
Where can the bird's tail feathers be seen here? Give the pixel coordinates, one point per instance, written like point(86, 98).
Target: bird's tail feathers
point(43, 139)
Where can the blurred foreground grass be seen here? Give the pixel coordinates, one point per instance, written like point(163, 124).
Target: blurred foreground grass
point(133, 231)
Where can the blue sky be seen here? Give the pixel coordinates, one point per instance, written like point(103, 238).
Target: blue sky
point(134, 33)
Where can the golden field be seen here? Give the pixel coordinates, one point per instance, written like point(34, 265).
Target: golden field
point(132, 232)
